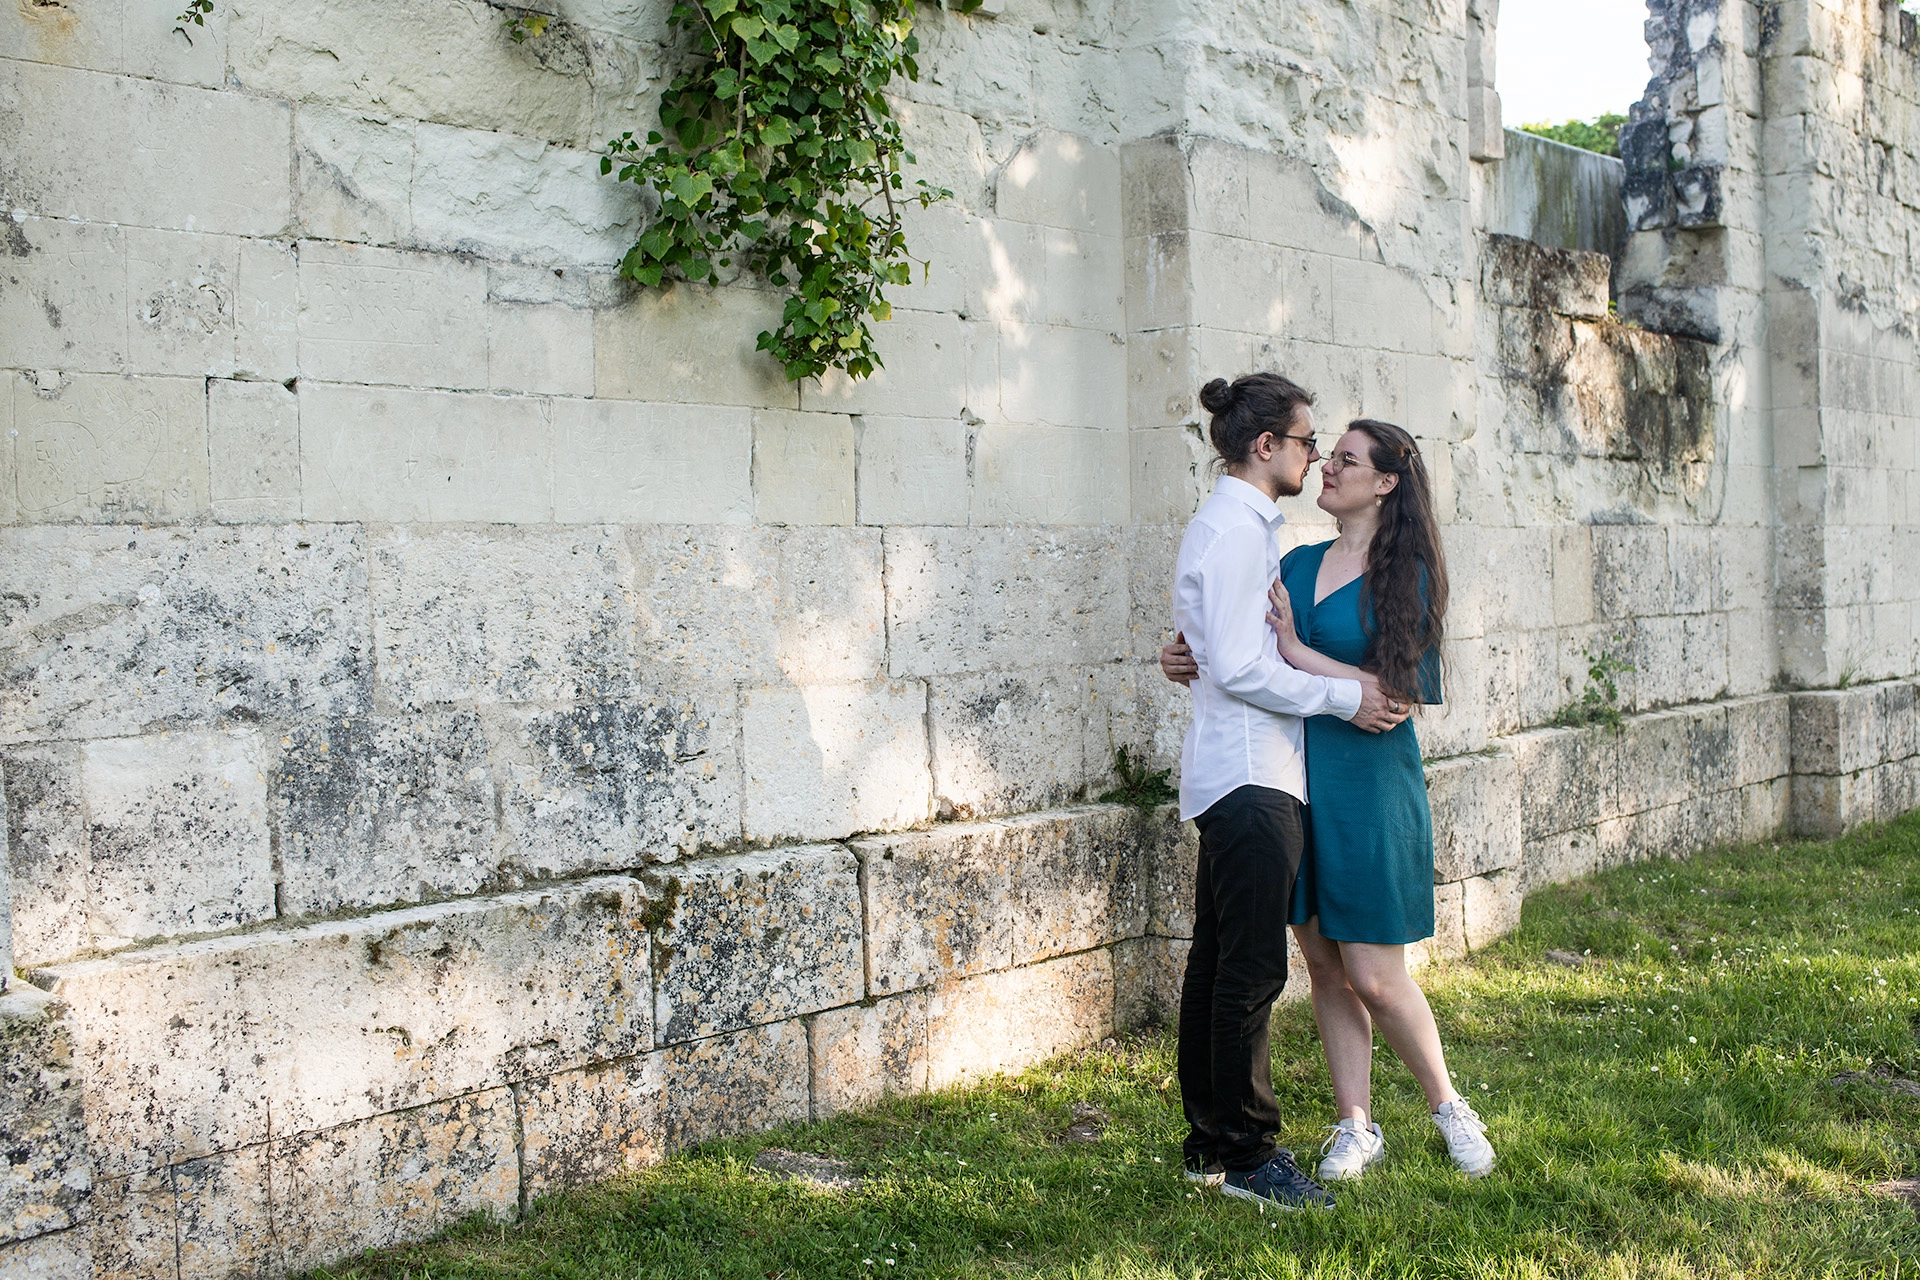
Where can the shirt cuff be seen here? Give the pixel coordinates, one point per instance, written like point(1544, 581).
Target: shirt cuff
point(1343, 697)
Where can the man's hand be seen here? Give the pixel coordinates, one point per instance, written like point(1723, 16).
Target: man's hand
point(1176, 660)
point(1378, 711)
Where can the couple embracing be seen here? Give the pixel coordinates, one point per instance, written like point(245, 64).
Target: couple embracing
point(1303, 671)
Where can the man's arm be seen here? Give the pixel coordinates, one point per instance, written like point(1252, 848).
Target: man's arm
point(1241, 656)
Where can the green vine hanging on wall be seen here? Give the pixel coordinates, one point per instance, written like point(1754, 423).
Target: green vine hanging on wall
point(777, 148)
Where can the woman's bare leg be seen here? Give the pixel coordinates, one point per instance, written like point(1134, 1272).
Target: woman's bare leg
point(1377, 975)
point(1346, 1030)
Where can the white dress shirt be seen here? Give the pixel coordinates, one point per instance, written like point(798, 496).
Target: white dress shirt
point(1247, 702)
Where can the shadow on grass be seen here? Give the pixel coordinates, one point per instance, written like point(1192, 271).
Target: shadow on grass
point(1665, 1108)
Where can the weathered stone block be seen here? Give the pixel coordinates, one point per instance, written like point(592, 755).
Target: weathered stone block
point(1760, 730)
point(966, 599)
point(373, 811)
point(1061, 180)
point(1894, 709)
point(1712, 764)
point(412, 1006)
point(929, 372)
point(1449, 939)
point(383, 316)
point(253, 450)
point(690, 343)
point(266, 312)
point(393, 1178)
point(619, 784)
point(1766, 810)
point(459, 199)
point(912, 470)
point(46, 852)
point(111, 631)
point(352, 174)
point(1006, 1022)
point(1059, 375)
point(491, 616)
point(1147, 973)
point(1170, 897)
point(59, 1255)
point(750, 1080)
point(579, 1127)
point(195, 159)
point(1009, 743)
point(1476, 815)
point(1835, 731)
point(1081, 878)
point(223, 1215)
point(445, 63)
point(66, 304)
point(95, 447)
point(1896, 788)
point(388, 454)
point(134, 1233)
point(803, 468)
point(756, 938)
point(1654, 760)
point(176, 835)
point(1520, 273)
point(182, 290)
point(824, 761)
point(544, 349)
point(1490, 907)
point(48, 1175)
point(866, 1052)
point(639, 463)
point(1050, 475)
point(804, 605)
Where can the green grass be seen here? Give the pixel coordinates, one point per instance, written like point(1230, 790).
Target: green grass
point(1666, 1110)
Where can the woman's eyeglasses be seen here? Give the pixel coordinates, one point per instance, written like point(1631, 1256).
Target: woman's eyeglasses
point(1342, 460)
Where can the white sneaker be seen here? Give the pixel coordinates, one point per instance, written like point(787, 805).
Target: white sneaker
point(1349, 1149)
point(1466, 1138)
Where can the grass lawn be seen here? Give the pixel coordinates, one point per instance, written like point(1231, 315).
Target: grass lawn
point(1667, 1109)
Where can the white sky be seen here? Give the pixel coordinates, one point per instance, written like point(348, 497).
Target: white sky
point(1569, 59)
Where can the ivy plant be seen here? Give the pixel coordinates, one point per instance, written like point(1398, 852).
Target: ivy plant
point(777, 148)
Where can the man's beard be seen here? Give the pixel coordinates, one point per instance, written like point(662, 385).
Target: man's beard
point(1292, 488)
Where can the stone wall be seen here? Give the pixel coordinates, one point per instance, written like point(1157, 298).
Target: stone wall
point(468, 726)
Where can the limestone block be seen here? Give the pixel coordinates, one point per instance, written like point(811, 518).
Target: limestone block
point(1170, 893)
point(188, 159)
point(546, 349)
point(757, 938)
point(1061, 180)
point(1835, 731)
point(413, 1006)
point(803, 468)
point(384, 316)
point(1147, 973)
point(1167, 473)
point(1573, 576)
point(1242, 284)
point(100, 448)
point(65, 303)
point(114, 630)
point(386, 454)
point(1009, 743)
point(176, 835)
point(394, 1178)
point(1520, 273)
point(1693, 558)
point(59, 1255)
point(1894, 708)
point(445, 63)
point(1082, 878)
point(939, 904)
point(801, 605)
point(1655, 757)
point(823, 761)
point(1063, 376)
point(375, 811)
point(1476, 815)
point(1766, 810)
point(1896, 788)
point(47, 852)
point(1566, 779)
point(1082, 279)
point(695, 344)
point(1486, 139)
point(134, 1229)
point(266, 312)
point(1827, 805)
point(223, 1214)
point(253, 451)
point(579, 1127)
point(966, 599)
point(1490, 906)
point(911, 470)
point(1164, 370)
point(77, 35)
point(927, 374)
point(1713, 764)
point(1050, 475)
point(749, 1081)
point(352, 175)
point(485, 616)
point(1378, 307)
point(948, 150)
point(48, 1175)
point(864, 1053)
point(638, 463)
point(182, 290)
point(1006, 1022)
point(1559, 858)
point(619, 784)
point(499, 194)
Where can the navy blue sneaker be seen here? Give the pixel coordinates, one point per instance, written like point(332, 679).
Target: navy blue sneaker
point(1278, 1182)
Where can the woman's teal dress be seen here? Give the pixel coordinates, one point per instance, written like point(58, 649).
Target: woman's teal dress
point(1368, 869)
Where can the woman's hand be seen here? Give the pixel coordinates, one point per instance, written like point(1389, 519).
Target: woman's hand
point(1280, 618)
point(1176, 660)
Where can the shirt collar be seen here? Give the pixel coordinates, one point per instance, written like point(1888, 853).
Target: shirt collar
point(1263, 506)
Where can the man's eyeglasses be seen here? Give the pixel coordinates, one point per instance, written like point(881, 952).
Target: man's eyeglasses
point(1313, 446)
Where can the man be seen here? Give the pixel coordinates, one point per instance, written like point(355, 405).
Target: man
point(1243, 782)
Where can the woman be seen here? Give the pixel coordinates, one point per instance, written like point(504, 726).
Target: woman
point(1370, 605)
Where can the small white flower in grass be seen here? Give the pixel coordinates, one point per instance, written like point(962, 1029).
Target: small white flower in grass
point(1691, 1040)
point(1655, 1070)
point(1157, 1160)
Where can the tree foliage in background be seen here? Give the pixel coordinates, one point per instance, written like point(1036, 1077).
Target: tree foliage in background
point(1602, 133)
point(777, 148)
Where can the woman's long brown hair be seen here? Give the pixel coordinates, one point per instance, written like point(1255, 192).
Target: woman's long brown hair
point(1405, 555)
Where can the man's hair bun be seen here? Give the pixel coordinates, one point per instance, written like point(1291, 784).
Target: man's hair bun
point(1217, 396)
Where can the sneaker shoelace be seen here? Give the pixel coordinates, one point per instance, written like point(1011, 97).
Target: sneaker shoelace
point(1459, 1123)
point(1339, 1137)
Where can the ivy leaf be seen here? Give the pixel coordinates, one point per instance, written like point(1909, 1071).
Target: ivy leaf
point(746, 26)
point(776, 132)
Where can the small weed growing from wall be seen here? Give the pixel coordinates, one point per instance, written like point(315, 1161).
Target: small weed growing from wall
point(1140, 787)
point(1599, 701)
point(526, 26)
